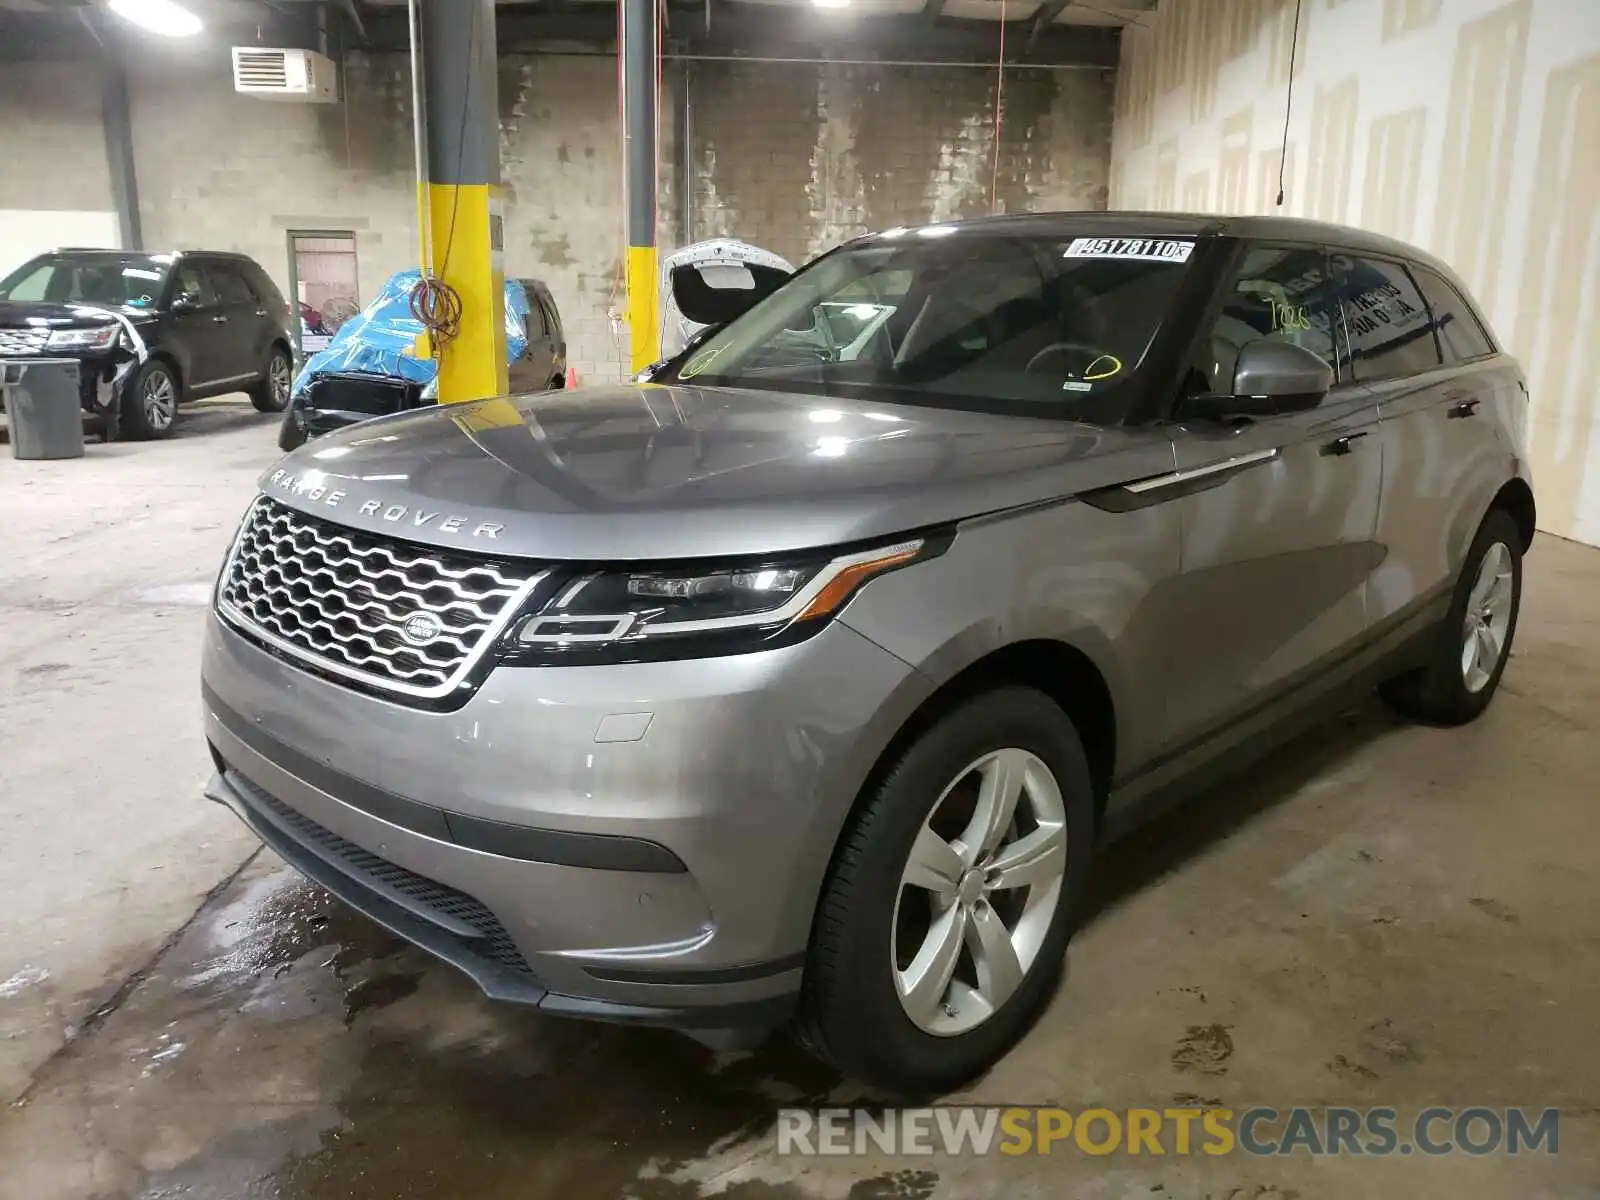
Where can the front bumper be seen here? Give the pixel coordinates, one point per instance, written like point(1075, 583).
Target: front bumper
point(640, 842)
point(94, 371)
point(335, 400)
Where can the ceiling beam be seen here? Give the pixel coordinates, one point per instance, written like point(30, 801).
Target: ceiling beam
point(1044, 19)
point(767, 31)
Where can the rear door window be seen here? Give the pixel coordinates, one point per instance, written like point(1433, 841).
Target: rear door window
point(1461, 336)
point(230, 285)
point(1385, 318)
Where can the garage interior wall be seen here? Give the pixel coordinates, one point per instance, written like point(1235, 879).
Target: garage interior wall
point(48, 197)
point(1467, 127)
point(794, 157)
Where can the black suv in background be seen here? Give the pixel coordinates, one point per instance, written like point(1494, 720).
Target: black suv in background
point(151, 331)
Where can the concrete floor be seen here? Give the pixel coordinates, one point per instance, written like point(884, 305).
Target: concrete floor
point(1379, 915)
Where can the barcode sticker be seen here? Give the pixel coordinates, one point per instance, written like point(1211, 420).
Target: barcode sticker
point(1146, 249)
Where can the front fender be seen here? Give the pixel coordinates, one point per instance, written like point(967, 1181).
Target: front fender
point(1102, 583)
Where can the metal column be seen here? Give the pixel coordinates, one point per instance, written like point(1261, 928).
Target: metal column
point(461, 116)
point(118, 127)
point(683, 136)
point(639, 135)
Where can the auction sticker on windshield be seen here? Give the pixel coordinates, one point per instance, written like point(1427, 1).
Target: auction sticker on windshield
point(1148, 249)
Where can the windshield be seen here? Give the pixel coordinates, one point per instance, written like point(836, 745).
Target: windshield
point(1040, 326)
point(133, 280)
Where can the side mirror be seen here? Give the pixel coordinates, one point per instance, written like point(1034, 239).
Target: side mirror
point(184, 302)
point(1269, 378)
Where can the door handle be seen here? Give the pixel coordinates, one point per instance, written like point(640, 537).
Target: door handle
point(1463, 408)
point(1343, 444)
point(220, 319)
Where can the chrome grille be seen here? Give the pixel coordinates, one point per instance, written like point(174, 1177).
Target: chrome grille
point(23, 341)
point(342, 600)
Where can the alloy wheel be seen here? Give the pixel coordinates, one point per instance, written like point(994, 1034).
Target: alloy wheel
point(160, 399)
point(1488, 620)
point(978, 892)
point(278, 378)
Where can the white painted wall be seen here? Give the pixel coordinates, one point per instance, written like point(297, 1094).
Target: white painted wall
point(1468, 127)
point(24, 232)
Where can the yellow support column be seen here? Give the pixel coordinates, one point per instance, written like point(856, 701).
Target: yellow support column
point(461, 115)
point(639, 135)
point(472, 366)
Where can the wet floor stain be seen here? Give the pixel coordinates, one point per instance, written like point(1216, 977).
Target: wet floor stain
point(896, 1185)
point(1382, 1038)
point(1491, 907)
point(290, 1049)
point(1204, 1050)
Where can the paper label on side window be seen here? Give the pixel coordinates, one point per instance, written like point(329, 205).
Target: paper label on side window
point(1148, 249)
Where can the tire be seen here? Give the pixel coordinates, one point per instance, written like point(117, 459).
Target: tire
point(150, 402)
point(873, 927)
point(1448, 689)
point(270, 393)
point(292, 433)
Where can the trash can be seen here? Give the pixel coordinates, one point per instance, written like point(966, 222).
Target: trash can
point(42, 407)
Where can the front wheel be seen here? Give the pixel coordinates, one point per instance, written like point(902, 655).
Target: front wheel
point(271, 393)
point(150, 403)
point(1468, 651)
point(944, 920)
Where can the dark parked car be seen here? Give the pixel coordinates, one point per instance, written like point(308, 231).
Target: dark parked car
point(369, 369)
point(809, 680)
point(151, 331)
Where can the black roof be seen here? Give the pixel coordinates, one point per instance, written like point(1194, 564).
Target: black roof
point(1176, 224)
point(172, 254)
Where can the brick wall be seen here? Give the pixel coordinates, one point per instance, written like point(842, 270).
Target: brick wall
point(52, 151)
point(792, 157)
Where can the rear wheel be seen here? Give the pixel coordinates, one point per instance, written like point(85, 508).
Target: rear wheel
point(150, 403)
point(944, 920)
point(1467, 653)
point(271, 393)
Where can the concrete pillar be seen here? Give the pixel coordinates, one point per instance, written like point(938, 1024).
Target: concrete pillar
point(461, 119)
point(639, 93)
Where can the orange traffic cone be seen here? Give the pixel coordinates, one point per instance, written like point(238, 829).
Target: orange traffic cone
point(572, 379)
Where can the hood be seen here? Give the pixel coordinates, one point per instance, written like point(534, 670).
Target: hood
point(17, 314)
point(656, 472)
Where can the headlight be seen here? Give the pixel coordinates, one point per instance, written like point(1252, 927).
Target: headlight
point(98, 338)
point(702, 610)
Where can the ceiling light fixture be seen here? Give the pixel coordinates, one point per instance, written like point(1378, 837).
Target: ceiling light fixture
point(158, 16)
point(831, 3)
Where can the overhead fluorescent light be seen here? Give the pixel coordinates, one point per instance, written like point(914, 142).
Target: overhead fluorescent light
point(165, 17)
point(831, 3)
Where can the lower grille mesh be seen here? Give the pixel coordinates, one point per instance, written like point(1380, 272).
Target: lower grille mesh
point(496, 944)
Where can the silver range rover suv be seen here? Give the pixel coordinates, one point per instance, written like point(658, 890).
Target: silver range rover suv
point(802, 681)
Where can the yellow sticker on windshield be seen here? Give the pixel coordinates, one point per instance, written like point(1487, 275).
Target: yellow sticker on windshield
point(1103, 367)
point(698, 364)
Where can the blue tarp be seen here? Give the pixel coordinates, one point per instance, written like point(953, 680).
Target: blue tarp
point(379, 340)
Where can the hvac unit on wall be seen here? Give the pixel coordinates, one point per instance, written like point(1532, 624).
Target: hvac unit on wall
point(273, 74)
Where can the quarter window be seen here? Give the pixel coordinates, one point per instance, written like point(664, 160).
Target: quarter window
point(1280, 294)
point(1386, 319)
point(1461, 337)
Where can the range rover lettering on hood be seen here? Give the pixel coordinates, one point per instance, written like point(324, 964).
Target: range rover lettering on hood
point(311, 486)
